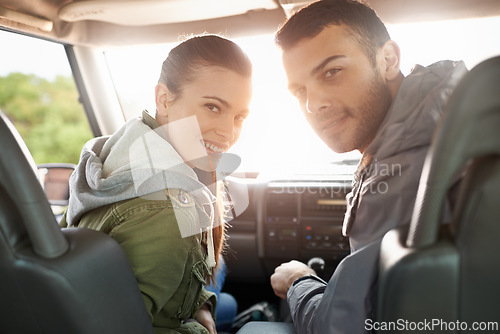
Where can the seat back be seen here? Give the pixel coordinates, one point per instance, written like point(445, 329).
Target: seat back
point(451, 272)
point(52, 280)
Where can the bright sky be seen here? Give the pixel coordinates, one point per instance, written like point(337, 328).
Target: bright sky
point(275, 133)
point(30, 55)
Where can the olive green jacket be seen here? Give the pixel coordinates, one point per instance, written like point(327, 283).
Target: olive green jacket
point(169, 269)
point(119, 187)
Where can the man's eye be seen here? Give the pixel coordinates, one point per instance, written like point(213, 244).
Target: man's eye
point(240, 118)
point(213, 108)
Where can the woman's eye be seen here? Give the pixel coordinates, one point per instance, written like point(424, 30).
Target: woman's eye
point(331, 72)
point(213, 108)
point(299, 93)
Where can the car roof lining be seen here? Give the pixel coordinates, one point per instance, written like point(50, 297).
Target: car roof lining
point(260, 19)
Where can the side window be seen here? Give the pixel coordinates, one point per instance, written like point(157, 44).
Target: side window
point(39, 95)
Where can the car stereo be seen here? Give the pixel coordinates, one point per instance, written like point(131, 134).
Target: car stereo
point(304, 220)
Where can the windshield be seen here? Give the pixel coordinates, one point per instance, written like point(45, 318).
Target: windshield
point(276, 138)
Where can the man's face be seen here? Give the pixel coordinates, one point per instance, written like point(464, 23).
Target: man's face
point(342, 94)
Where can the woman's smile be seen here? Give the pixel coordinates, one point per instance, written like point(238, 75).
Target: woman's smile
point(214, 147)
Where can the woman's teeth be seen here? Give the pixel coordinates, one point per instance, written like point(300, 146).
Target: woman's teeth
point(214, 148)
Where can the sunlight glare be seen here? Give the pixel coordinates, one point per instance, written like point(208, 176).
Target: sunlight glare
point(276, 137)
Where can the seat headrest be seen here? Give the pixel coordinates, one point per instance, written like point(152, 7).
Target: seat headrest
point(469, 130)
point(19, 181)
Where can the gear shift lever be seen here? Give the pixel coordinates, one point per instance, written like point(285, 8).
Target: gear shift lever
point(317, 264)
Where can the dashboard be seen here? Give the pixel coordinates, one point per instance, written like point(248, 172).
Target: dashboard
point(285, 220)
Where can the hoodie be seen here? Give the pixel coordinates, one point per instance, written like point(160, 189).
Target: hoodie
point(137, 161)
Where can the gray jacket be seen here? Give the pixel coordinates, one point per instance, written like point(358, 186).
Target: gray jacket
point(383, 196)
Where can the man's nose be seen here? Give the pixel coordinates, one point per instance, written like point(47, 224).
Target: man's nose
point(317, 101)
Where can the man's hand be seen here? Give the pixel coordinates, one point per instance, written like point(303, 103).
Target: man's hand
point(286, 274)
point(204, 317)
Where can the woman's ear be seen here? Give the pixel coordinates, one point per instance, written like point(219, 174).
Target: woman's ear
point(161, 99)
point(161, 96)
point(391, 54)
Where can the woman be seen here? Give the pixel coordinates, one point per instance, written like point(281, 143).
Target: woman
point(151, 186)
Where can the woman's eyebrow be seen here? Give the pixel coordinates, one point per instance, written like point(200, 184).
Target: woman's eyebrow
point(221, 101)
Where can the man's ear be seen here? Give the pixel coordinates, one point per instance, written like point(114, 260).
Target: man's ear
point(391, 56)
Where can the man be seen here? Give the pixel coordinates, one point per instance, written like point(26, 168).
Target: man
point(344, 71)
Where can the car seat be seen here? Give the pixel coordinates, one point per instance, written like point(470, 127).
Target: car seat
point(52, 280)
point(448, 275)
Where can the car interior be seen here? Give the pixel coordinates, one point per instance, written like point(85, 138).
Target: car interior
point(73, 280)
point(58, 280)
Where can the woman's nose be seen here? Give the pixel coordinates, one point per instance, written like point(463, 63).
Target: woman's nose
point(226, 129)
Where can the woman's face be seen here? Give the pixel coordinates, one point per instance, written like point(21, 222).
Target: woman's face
point(205, 120)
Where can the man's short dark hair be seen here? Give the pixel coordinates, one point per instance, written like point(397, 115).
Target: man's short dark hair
point(308, 22)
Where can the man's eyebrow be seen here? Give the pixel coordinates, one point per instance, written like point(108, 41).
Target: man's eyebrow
point(317, 69)
point(325, 62)
point(221, 101)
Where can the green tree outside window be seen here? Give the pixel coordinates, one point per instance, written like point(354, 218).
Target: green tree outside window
point(47, 114)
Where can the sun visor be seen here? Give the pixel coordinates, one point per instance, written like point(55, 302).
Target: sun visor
point(149, 12)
